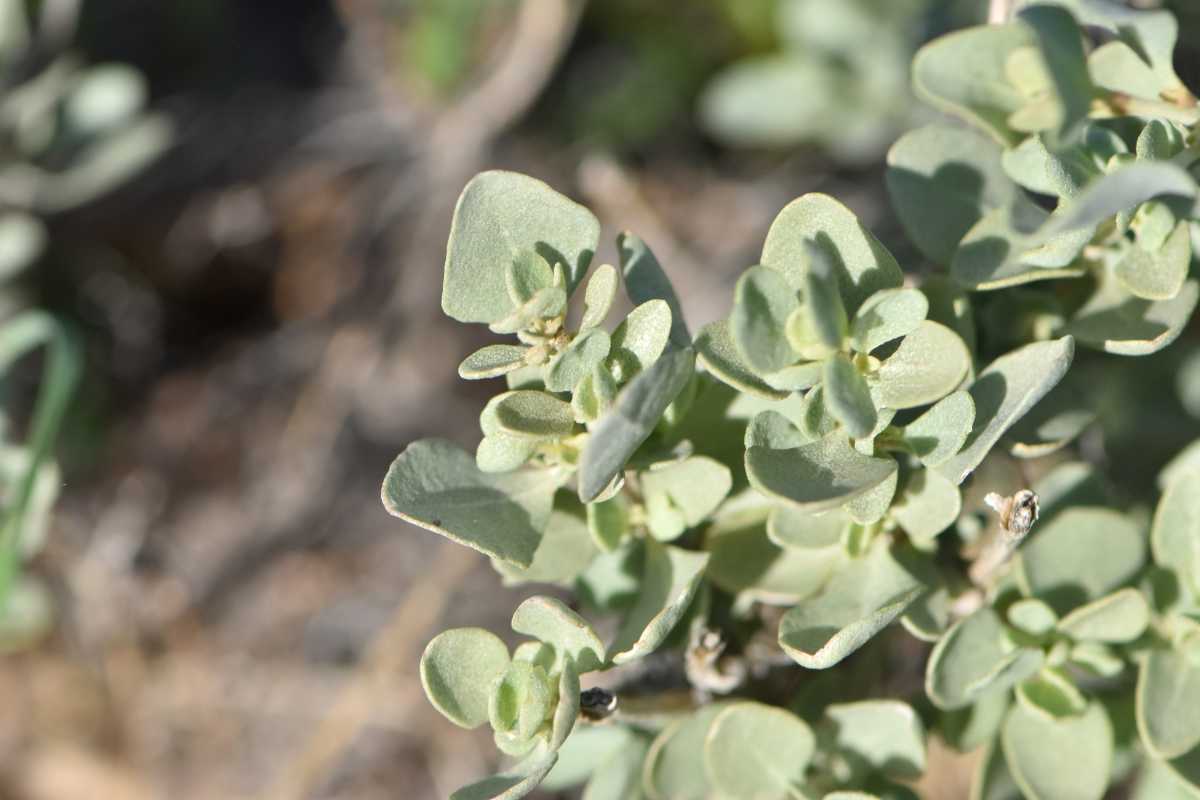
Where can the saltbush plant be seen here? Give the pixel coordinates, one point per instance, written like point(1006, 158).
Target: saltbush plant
point(746, 511)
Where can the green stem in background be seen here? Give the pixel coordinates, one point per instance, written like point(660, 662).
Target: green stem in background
point(18, 337)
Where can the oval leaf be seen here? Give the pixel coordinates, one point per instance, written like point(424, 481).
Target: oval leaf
point(457, 671)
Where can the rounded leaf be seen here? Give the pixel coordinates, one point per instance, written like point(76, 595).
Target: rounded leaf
point(929, 364)
point(886, 315)
point(598, 296)
point(762, 302)
point(492, 361)
point(756, 750)
point(1119, 617)
point(720, 356)
point(847, 397)
point(817, 476)
point(973, 660)
point(886, 736)
point(457, 671)
point(639, 340)
point(548, 620)
point(1037, 746)
point(1168, 694)
point(535, 415)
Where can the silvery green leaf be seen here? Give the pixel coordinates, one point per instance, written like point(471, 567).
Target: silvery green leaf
point(1158, 781)
point(757, 750)
point(1060, 42)
point(929, 364)
point(585, 749)
point(534, 415)
point(1158, 274)
point(22, 239)
point(565, 551)
point(1121, 190)
point(1117, 322)
point(973, 660)
point(545, 304)
point(492, 361)
point(1073, 483)
point(598, 296)
point(1117, 67)
point(1152, 33)
point(796, 378)
point(817, 476)
point(457, 671)
point(942, 180)
point(863, 265)
point(612, 580)
point(941, 431)
point(669, 581)
point(645, 281)
point(566, 710)
point(512, 785)
point(982, 95)
point(1080, 555)
point(1003, 393)
point(1175, 536)
point(977, 725)
point(548, 620)
point(847, 397)
point(995, 254)
point(929, 615)
point(1161, 140)
point(1036, 746)
point(813, 418)
point(886, 736)
point(1061, 173)
point(886, 315)
point(499, 215)
point(630, 421)
point(741, 104)
point(1051, 692)
point(791, 527)
point(950, 305)
point(526, 275)
point(1056, 420)
point(594, 394)
point(499, 452)
point(673, 766)
point(928, 504)
point(872, 505)
point(1119, 617)
point(1032, 616)
point(619, 776)
point(1168, 694)
point(437, 486)
point(719, 355)
point(992, 779)
point(694, 486)
point(823, 304)
point(520, 701)
point(640, 339)
point(761, 306)
point(858, 601)
point(804, 335)
point(585, 352)
point(608, 521)
point(1185, 461)
point(771, 429)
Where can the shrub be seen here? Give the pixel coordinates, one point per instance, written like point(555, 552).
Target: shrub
point(781, 487)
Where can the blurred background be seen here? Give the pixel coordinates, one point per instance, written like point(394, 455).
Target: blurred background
point(227, 219)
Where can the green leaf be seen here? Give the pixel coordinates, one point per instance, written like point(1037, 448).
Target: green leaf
point(756, 750)
point(645, 281)
point(858, 602)
point(1158, 274)
point(773, 430)
point(512, 785)
point(1121, 190)
point(886, 315)
point(973, 659)
point(1080, 555)
point(598, 296)
point(1168, 694)
point(1060, 43)
point(796, 378)
point(619, 776)
point(950, 305)
point(526, 275)
point(435, 485)
point(640, 339)
point(847, 396)
point(594, 394)
point(608, 521)
point(631, 420)
point(1004, 392)
point(928, 505)
point(1116, 322)
point(823, 305)
point(1051, 693)
point(747, 560)
point(996, 253)
point(884, 735)
point(1117, 67)
point(22, 239)
point(791, 527)
point(1119, 617)
point(1056, 420)
point(872, 505)
point(1032, 616)
point(1036, 747)
point(863, 265)
point(942, 180)
point(669, 581)
point(929, 615)
point(761, 306)
point(520, 700)
point(549, 620)
point(503, 453)
point(817, 476)
point(1151, 33)
point(1158, 781)
point(982, 95)
point(546, 304)
point(499, 215)
point(457, 670)
point(992, 780)
point(693, 487)
point(1175, 536)
point(492, 361)
point(566, 711)
point(929, 364)
point(673, 765)
point(719, 355)
point(565, 551)
point(534, 415)
point(941, 431)
point(578, 360)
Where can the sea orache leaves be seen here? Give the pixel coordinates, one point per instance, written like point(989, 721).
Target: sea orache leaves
point(941, 431)
point(458, 668)
point(492, 361)
point(1060, 45)
point(762, 303)
point(1175, 535)
point(974, 659)
point(756, 750)
point(929, 364)
point(437, 486)
point(847, 396)
point(512, 785)
point(1168, 694)
point(640, 339)
point(1004, 391)
point(1119, 617)
point(887, 315)
point(927, 505)
point(578, 360)
point(824, 307)
point(1117, 322)
point(672, 770)
point(885, 736)
point(670, 578)
point(1121, 190)
point(549, 620)
point(565, 550)
point(499, 216)
point(1157, 274)
point(716, 350)
point(856, 603)
point(526, 275)
point(1036, 746)
point(645, 281)
point(691, 488)
point(598, 296)
point(520, 701)
point(817, 476)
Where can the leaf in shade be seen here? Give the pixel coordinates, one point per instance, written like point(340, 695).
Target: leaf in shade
point(1119, 617)
point(437, 486)
point(673, 766)
point(847, 396)
point(773, 430)
point(548, 620)
point(942, 430)
point(1036, 746)
point(457, 671)
point(884, 736)
point(1056, 420)
point(566, 712)
point(608, 521)
point(598, 296)
point(872, 505)
point(928, 505)
point(578, 360)
point(1157, 274)
point(762, 303)
point(1003, 393)
point(942, 180)
point(1119, 323)
point(565, 551)
point(858, 602)
point(973, 659)
point(1168, 694)
point(492, 361)
point(929, 364)
point(518, 782)
point(1121, 190)
point(887, 315)
point(1117, 67)
point(631, 420)
point(499, 215)
point(823, 304)
point(720, 356)
point(996, 254)
point(1060, 42)
point(619, 776)
point(863, 265)
point(757, 750)
point(525, 276)
point(669, 581)
point(817, 476)
point(645, 280)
